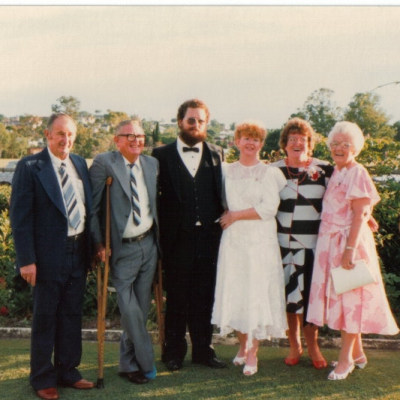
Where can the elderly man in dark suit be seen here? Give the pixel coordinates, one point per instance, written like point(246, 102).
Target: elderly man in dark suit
point(190, 204)
point(134, 240)
point(50, 217)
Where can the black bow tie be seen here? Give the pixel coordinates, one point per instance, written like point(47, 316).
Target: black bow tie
point(195, 149)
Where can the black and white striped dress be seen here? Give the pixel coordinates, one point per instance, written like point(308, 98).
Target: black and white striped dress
point(298, 219)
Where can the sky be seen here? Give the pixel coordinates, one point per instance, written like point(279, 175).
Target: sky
point(245, 62)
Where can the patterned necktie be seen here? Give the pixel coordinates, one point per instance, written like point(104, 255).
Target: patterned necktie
point(134, 197)
point(74, 216)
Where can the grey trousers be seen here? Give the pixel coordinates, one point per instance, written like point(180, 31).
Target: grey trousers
point(132, 275)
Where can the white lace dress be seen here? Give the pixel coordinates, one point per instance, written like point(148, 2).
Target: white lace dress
point(250, 289)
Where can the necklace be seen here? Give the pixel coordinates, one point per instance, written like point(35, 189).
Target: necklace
point(301, 175)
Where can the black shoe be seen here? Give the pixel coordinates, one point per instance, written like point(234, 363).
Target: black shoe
point(174, 365)
point(135, 377)
point(211, 362)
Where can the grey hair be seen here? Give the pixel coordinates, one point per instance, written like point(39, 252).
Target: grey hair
point(127, 122)
point(55, 116)
point(352, 130)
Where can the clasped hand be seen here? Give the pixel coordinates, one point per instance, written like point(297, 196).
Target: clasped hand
point(227, 219)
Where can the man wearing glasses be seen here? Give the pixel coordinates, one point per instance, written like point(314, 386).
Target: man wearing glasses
point(134, 240)
point(190, 204)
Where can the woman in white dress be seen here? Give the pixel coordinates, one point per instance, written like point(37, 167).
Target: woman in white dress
point(249, 295)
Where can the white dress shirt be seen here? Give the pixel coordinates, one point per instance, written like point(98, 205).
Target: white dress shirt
point(78, 188)
point(191, 159)
point(131, 230)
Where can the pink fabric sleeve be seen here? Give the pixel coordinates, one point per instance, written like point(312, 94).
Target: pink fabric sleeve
point(360, 185)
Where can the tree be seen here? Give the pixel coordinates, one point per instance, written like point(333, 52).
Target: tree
point(396, 127)
point(215, 127)
point(12, 145)
point(4, 139)
point(364, 110)
point(115, 117)
point(170, 134)
point(67, 104)
point(320, 111)
point(156, 134)
point(271, 145)
point(29, 124)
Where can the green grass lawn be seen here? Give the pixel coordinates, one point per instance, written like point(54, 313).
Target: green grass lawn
point(274, 380)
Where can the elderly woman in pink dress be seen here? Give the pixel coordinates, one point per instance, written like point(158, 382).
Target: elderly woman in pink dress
point(344, 237)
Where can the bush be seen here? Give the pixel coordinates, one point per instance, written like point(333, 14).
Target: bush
point(15, 294)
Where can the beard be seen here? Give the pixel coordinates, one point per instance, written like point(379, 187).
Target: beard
point(192, 136)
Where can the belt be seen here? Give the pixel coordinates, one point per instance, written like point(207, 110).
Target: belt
point(136, 238)
point(75, 238)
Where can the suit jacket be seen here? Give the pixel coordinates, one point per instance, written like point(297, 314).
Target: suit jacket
point(38, 216)
point(170, 190)
point(111, 164)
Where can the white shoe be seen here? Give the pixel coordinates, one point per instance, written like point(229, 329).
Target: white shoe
point(250, 370)
point(358, 365)
point(333, 376)
point(239, 361)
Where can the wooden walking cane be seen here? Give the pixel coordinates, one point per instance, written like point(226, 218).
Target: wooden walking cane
point(158, 296)
point(102, 292)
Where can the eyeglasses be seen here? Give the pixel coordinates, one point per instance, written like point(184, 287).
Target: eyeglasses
point(302, 140)
point(343, 145)
point(192, 121)
point(132, 137)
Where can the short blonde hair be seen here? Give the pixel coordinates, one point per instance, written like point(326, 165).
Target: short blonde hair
point(350, 129)
point(252, 129)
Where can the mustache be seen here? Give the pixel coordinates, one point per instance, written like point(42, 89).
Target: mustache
point(192, 136)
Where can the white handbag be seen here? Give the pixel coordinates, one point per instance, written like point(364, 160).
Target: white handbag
point(349, 279)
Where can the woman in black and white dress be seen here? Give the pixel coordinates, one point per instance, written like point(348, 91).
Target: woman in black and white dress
point(298, 222)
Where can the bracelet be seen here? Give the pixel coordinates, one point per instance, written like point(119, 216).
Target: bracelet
point(350, 248)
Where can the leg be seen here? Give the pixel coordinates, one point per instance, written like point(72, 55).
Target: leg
point(241, 355)
point(345, 364)
point(205, 246)
point(132, 277)
point(199, 319)
point(68, 348)
point(294, 323)
point(43, 374)
point(243, 344)
point(251, 359)
point(358, 352)
point(175, 317)
point(311, 336)
point(178, 264)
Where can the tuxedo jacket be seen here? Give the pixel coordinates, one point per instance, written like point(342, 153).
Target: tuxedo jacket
point(112, 164)
point(39, 219)
point(170, 199)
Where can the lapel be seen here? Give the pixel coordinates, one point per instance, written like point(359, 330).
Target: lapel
point(119, 168)
point(173, 166)
point(216, 162)
point(81, 169)
point(149, 178)
point(48, 179)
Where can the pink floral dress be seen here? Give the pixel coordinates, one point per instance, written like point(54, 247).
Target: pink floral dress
point(362, 310)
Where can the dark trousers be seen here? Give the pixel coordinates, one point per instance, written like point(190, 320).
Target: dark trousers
point(57, 323)
point(190, 284)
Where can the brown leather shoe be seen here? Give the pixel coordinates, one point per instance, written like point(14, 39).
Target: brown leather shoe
point(48, 394)
point(135, 377)
point(83, 384)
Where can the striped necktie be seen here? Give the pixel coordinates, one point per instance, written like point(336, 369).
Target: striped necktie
point(74, 216)
point(134, 197)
